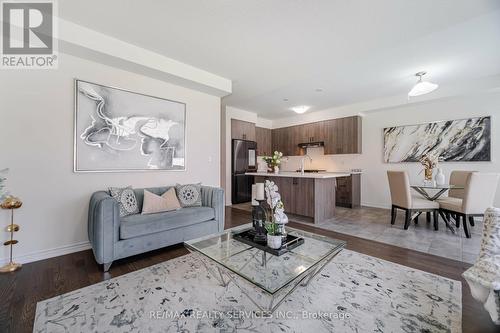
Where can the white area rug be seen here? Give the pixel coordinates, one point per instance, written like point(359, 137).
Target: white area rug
point(353, 293)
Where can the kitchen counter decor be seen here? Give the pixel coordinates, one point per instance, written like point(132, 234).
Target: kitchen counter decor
point(273, 162)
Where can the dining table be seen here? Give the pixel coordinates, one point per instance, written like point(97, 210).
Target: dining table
point(433, 192)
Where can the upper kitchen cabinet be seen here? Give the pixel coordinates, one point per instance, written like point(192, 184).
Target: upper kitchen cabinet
point(343, 136)
point(242, 130)
point(281, 138)
point(264, 141)
point(313, 132)
point(340, 136)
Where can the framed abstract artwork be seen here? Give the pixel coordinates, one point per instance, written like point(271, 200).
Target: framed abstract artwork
point(119, 130)
point(462, 140)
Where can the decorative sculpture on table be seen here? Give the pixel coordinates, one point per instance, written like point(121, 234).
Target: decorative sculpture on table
point(259, 214)
point(268, 215)
point(429, 162)
point(277, 218)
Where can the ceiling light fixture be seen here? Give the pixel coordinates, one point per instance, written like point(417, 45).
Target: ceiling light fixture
point(422, 87)
point(300, 108)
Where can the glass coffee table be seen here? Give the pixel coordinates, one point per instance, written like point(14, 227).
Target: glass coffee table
point(273, 277)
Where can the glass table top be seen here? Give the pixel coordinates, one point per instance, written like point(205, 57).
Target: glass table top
point(277, 272)
point(437, 187)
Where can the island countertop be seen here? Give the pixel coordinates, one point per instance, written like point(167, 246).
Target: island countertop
point(293, 174)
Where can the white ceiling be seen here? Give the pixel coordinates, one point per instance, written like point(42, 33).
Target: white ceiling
point(354, 51)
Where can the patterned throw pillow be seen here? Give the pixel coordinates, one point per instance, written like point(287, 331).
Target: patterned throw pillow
point(189, 195)
point(127, 202)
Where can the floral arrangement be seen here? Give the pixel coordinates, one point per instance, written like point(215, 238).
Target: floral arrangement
point(273, 161)
point(429, 162)
point(277, 214)
point(3, 179)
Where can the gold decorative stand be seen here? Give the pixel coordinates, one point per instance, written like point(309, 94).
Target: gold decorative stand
point(11, 203)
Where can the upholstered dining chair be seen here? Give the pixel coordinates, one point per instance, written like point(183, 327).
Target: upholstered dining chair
point(479, 194)
point(459, 178)
point(401, 197)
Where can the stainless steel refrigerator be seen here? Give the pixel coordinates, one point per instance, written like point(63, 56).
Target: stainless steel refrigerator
point(243, 159)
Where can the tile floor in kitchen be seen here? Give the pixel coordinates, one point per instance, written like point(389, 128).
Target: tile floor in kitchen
point(374, 224)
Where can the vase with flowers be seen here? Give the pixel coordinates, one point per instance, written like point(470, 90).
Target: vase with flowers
point(275, 225)
point(429, 162)
point(273, 162)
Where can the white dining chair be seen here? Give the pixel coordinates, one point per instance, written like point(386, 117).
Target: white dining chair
point(459, 178)
point(401, 198)
point(479, 194)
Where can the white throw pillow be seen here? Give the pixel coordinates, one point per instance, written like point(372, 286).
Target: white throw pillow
point(153, 203)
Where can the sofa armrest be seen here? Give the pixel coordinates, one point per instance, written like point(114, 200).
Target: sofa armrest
point(103, 226)
point(214, 197)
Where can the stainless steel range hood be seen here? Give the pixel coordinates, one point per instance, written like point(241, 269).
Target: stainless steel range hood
point(314, 144)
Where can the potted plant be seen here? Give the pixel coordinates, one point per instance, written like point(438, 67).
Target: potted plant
point(273, 162)
point(277, 218)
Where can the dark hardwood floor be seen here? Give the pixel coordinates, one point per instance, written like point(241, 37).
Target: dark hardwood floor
point(20, 291)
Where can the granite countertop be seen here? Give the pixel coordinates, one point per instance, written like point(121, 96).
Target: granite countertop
point(293, 174)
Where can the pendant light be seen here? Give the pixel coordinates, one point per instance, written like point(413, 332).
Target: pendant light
point(422, 87)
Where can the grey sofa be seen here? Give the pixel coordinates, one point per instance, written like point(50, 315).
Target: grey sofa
point(113, 237)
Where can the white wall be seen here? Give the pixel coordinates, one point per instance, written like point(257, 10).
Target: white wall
point(375, 190)
point(36, 143)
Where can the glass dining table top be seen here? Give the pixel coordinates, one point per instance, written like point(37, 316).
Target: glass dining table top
point(269, 272)
point(437, 187)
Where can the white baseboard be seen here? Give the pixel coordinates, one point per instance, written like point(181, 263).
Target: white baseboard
point(50, 253)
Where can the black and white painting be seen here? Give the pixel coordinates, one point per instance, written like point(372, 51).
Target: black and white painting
point(460, 140)
point(118, 130)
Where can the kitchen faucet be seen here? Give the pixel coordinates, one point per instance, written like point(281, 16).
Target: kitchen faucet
point(302, 162)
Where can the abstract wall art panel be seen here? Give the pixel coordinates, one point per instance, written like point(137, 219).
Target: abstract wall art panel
point(463, 140)
point(118, 130)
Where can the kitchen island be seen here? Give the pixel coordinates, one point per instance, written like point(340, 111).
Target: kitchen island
point(310, 195)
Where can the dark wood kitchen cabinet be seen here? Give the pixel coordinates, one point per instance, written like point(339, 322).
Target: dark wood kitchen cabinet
point(281, 141)
point(308, 197)
point(348, 192)
point(340, 136)
point(343, 136)
point(302, 197)
point(242, 130)
point(312, 132)
point(264, 141)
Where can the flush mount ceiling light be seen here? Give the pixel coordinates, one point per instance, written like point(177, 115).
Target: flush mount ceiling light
point(300, 108)
point(422, 87)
